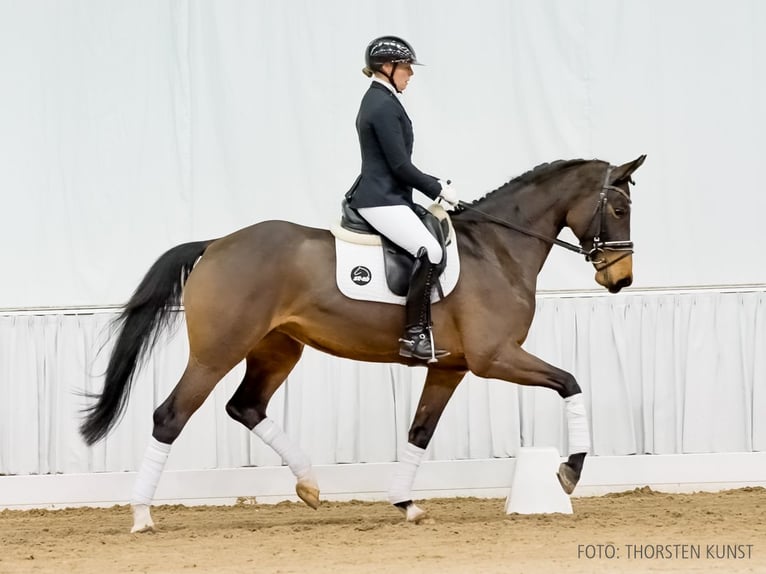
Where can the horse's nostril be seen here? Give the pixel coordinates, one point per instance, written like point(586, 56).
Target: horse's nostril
point(618, 285)
point(625, 282)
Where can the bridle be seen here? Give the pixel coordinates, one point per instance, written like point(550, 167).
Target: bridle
point(599, 245)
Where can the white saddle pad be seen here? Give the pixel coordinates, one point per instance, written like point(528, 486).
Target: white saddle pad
point(360, 272)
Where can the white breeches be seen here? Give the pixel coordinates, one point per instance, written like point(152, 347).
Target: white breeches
point(400, 224)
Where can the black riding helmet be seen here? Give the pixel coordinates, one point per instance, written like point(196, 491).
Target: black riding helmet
point(388, 49)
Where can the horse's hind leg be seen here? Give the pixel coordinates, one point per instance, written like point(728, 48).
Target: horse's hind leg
point(169, 419)
point(267, 368)
point(437, 391)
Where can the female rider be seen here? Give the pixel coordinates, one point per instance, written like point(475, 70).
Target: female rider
point(382, 194)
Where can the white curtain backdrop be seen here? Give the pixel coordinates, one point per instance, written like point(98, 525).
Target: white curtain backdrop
point(129, 127)
point(662, 374)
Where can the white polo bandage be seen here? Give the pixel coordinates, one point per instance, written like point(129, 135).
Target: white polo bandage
point(404, 475)
point(577, 424)
point(149, 473)
point(270, 433)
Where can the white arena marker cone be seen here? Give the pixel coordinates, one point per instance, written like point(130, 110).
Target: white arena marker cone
point(535, 488)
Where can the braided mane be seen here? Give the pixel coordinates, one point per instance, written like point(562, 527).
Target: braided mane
point(536, 174)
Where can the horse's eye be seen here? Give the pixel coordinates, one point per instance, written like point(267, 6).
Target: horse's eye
point(620, 211)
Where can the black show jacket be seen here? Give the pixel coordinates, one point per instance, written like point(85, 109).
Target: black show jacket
point(386, 138)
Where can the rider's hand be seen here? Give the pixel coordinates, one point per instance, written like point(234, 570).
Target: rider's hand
point(448, 193)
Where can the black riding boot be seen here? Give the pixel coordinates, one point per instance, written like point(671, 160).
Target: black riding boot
point(417, 341)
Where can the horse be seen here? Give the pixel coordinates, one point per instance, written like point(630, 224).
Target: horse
point(265, 291)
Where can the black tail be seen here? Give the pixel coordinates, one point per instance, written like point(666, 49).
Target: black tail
point(149, 310)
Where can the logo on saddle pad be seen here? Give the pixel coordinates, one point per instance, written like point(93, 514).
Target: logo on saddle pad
point(361, 275)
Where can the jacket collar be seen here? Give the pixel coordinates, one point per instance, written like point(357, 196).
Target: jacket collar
point(379, 82)
point(380, 85)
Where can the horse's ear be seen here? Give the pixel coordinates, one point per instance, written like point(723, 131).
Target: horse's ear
point(622, 174)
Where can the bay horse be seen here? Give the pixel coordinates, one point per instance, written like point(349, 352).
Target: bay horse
point(264, 292)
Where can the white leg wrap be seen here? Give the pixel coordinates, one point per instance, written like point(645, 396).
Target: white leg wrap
point(404, 475)
point(149, 473)
point(299, 463)
point(577, 423)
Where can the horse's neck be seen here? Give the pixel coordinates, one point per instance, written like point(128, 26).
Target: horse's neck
point(539, 208)
point(543, 211)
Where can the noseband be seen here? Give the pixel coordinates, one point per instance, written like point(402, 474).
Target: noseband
point(595, 254)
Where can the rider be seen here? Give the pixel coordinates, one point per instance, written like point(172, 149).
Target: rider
point(382, 194)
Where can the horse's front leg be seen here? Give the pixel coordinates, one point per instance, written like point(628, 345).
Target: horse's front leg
point(438, 389)
point(515, 365)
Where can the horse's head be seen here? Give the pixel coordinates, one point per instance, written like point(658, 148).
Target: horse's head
point(603, 226)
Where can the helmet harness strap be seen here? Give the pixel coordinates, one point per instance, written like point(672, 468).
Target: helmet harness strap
point(391, 76)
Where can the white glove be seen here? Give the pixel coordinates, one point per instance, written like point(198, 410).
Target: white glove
point(448, 193)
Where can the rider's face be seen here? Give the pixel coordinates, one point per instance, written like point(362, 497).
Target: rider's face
point(402, 74)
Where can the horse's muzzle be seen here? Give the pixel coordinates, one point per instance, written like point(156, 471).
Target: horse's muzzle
point(615, 270)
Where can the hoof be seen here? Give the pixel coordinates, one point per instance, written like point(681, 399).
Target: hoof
point(415, 514)
point(567, 478)
point(142, 519)
point(308, 492)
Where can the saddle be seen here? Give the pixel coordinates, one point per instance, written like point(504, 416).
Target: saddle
point(398, 263)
